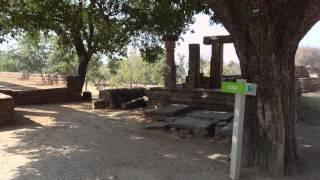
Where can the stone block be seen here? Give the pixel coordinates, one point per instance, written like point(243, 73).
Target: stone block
point(198, 126)
point(170, 110)
point(86, 96)
point(215, 116)
point(99, 104)
point(6, 109)
point(156, 126)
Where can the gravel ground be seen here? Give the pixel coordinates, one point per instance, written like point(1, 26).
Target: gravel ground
point(71, 141)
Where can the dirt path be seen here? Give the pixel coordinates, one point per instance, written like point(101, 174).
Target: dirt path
point(73, 142)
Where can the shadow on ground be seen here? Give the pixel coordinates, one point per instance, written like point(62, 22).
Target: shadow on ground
point(73, 142)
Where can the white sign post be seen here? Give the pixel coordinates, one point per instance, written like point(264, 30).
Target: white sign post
point(241, 89)
point(238, 120)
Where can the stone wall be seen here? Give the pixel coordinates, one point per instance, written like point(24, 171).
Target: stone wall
point(196, 98)
point(306, 85)
point(6, 109)
point(43, 96)
point(48, 96)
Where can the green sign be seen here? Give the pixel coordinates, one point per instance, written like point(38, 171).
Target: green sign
point(233, 88)
point(239, 88)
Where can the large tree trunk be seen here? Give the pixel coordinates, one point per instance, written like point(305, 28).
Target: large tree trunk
point(82, 67)
point(83, 58)
point(266, 35)
point(269, 139)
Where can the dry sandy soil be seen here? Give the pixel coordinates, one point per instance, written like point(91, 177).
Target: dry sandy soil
point(71, 141)
point(16, 84)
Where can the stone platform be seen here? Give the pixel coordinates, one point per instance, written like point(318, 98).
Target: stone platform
point(183, 118)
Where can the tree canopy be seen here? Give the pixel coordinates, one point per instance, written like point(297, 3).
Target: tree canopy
point(102, 26)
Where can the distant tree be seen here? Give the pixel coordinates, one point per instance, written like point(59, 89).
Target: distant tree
point(136, 71)
point(7, 63)
point(181, 69)
point(308, 56)
point(96, 76)
point(232, 68)
point(31, 54)
point(205, 66)
point(89, 26)
point(62, 60)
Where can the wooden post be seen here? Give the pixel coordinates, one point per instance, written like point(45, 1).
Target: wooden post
point(194, 66)
point(216, 65)
point(170, 69)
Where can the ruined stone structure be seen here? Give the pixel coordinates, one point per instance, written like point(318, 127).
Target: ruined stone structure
point(170, 68)
point(195, 79)
point(194, 66)
point(199, 92)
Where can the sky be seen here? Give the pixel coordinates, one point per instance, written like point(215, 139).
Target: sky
point(203, 28)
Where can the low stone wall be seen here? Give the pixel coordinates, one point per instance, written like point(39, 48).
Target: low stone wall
point(48, 96)
point(43, 96)
point(50, 79)
point(196, 98)
point(6, 109)
point(306, 85)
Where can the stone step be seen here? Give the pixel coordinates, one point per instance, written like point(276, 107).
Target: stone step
point(215, 116)
point(169, 111)
point(198, 126)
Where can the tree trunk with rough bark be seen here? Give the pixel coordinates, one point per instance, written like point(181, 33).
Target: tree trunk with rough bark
point(266, 36)
point(269, 129)
point(84, 57)
point(82, 67)
point(170, 68)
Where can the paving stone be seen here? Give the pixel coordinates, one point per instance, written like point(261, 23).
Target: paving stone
point(198, 126)
point(171, 119)
point(170, 110)
point(157, 118)
point(156, 126)
point(225, 131)
point(221, 124)
point(212, 115)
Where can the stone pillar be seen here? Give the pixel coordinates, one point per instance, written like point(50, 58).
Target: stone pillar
point(216, 65)
point(73, 83)
point(194, 66)
point(170, 68)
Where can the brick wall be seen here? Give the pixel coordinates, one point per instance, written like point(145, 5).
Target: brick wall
point(197, 98)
